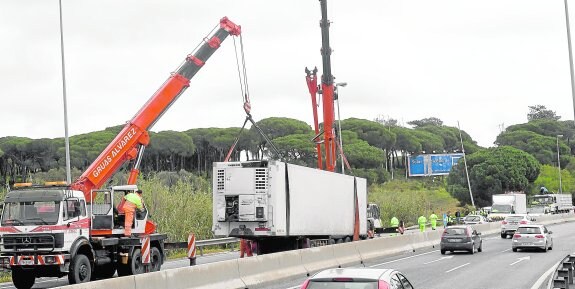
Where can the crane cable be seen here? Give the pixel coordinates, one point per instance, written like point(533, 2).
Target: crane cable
point(244, 88)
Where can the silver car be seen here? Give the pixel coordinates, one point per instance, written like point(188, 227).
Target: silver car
point(474, 219)
point(511, 222)
point(361, 278)
point(532, 236)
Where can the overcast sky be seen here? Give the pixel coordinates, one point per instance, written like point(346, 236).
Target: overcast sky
point(482, 62)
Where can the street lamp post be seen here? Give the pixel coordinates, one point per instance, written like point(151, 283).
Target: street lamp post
point(570, 52)
point(465, 164)
point(66, 137)
point(342, 84)
point(559, 164)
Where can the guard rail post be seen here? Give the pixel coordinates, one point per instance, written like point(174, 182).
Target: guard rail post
point(567, 270)
point(560, 284)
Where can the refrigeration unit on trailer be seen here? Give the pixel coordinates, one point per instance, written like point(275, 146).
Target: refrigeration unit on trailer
point(283, 206)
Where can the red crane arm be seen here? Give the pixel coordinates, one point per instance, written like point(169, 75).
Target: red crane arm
point(311, 80)
point(129, 144)
point(327, 88)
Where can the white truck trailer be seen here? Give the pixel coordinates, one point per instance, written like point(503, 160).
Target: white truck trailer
point(283, 206)
point(507, 204)
point(552, 203)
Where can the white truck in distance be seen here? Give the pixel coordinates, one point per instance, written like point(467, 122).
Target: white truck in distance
point(550, 203)
point(284, 206)
point(507, 204)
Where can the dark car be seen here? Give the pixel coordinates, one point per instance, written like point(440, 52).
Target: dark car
point(461, 238)
point(364, 278)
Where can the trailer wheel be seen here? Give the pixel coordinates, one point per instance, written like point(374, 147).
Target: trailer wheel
point(134, 265)
point(23, 279)
point(347, 240)
point(155, 259)
point(80, 269)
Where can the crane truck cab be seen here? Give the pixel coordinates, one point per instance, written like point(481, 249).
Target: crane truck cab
point(52, 231)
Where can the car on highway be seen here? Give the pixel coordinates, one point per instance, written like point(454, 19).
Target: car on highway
point(474, 219)
point(532, 236)
point(461, 238)
point(511, 222)
point(358, 278)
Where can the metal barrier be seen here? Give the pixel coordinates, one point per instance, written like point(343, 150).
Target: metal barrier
point(200, 244)
point(562, 278)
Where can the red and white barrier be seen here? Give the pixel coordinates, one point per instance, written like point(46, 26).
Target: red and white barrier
point(192, 249)
point(145, 249)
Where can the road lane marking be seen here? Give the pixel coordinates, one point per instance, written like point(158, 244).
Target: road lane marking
point(442, 258)
point(504, 251)
point(490, 238)
point(405, 258)
point(457, 267)
point(521, 259)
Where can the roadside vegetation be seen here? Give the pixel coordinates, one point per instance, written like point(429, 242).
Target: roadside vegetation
point(177, 166)
point(409, 199)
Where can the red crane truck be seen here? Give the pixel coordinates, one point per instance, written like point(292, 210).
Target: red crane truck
point(57, 229)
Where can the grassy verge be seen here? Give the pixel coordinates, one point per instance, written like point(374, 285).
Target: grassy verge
point(409, 199)
point(178, 254)
point(5, 277)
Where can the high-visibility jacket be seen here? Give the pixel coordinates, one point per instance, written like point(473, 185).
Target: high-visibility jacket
point(422, 220)
point(134, 199)
point(394, 222)
point(433, 218)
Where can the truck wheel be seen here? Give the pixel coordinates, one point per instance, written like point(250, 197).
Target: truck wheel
point(134, 265)
point(80, 269)
point(155, 259)
point(104, 271)
point(23, 279)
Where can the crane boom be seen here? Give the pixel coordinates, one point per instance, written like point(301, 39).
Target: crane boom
point(129, 144)
point(327, 88)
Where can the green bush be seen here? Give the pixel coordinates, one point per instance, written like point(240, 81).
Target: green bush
point(184, 206)
point(409, 199)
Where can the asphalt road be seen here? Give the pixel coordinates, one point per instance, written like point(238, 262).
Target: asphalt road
point(497, 267)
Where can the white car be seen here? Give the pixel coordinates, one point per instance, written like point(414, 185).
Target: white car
point(532, 236)
point(474, 219)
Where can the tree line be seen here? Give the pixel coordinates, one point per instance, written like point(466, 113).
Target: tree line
point(526, 157)
point(372, 148)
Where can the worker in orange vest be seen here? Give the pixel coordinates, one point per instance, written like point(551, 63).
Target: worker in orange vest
point(132, 201)
point(245, 248)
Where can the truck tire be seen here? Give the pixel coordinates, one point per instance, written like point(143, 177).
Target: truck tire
point(155, 259)
point(134, 265)
point(104, 271)
point(80, 269)
point(23, 279)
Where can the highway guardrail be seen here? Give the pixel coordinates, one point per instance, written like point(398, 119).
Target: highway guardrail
point(562, 277)
point(200, 244)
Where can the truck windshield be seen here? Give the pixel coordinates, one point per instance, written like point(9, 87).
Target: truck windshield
point(541, 201)
point(536, 210)
point(31, 213)
point(501, 209)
